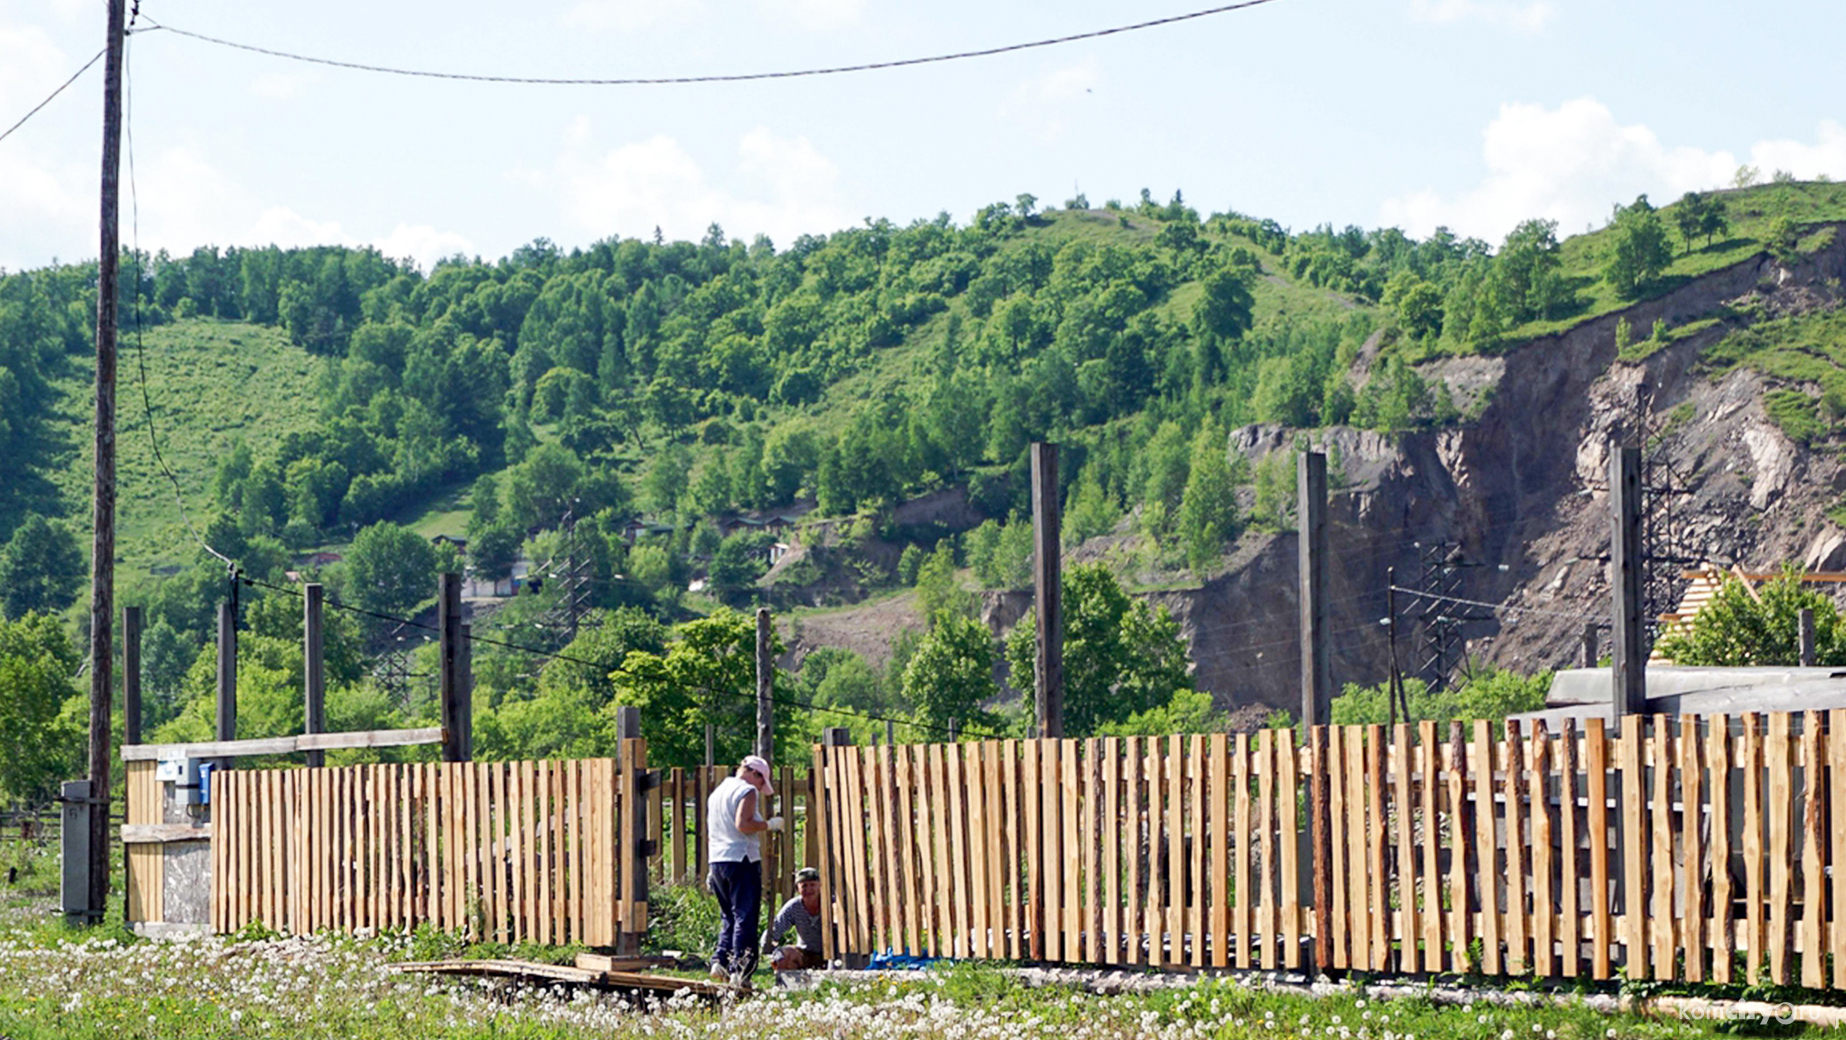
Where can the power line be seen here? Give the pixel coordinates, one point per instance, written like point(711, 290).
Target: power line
point(1497, 606)
point(53, 94)
point(633, 81)
point(557, 655)
point(147, 404)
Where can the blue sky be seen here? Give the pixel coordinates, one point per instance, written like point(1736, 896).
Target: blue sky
point(1473, 114)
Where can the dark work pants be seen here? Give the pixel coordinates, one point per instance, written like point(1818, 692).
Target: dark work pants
point(739, 888)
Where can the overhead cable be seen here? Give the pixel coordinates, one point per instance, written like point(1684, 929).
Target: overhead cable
point(53, 94)
point(736, 77)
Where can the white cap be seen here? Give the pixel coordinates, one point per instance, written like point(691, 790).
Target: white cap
point(762, 769)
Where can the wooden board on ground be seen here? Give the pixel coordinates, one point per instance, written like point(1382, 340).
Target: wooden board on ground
point(532, 970)
point(604, 962)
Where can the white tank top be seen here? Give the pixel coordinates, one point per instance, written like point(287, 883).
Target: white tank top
point(728, 844)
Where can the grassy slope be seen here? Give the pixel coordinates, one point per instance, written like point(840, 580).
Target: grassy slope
point(212, 384)
point(1751, 211)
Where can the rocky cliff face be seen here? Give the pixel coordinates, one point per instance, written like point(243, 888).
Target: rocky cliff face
point(1521, 491)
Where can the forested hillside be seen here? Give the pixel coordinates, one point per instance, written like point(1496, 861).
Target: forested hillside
point(317, 398)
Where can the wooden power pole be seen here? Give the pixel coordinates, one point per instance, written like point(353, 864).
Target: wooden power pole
point(102, 511)
point(1316, 653)
point(1047, 594)
point(765, 688)
point(314, 666)
point(1629, 674)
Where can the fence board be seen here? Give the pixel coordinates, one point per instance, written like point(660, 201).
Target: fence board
point(1691, 800)
point(1543, 832)
point(1779, 816)
point(1813, 959)
point(1403, 825)
point(1570, 835)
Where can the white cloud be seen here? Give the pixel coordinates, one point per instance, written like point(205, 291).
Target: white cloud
point(630, 15)
point(781, 186)
point(1043, 102)
point(1527, 17)
point(1827, 155)
point(423, 243)
point(815, 14)
point(1571, 164)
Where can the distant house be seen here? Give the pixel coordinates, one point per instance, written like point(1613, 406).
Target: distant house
point(510, 584)
point(321, 559)
point(460, 544)
point(636, 529)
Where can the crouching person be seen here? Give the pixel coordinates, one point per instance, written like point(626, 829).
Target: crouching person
point(801, 913)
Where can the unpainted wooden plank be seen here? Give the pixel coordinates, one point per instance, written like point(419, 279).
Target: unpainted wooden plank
point(1402, 819)
point(1174, 881)
point(1629, 755)
point(1518, 848)
point(928, 820)
point(1069, 752)
point(1750, 764)
point(1570, 842)
point(1264, 890)
point(1543, 833)
point(994, 811)
point(1718, 763)
point(1377, 842)
point(1293, 927)
point(1336, 917)
point(1461, 829)
point(1692, 858)
point(1195, 841)
point(1486, 845)
point(1428, 844)
point(1836, 814)
point(891, 907)
point(961, 910)
point(1131, 925)
point(1813, 881)
point(1778, 812)
point(1662, 860)
point(1232, 892)
point(1360, 906)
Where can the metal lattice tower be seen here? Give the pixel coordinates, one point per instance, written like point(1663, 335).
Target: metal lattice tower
point(1665, 492)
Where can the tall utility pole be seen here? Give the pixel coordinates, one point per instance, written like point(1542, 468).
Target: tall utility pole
point(102, 514)
point(1626, 576)
point(765, 688)
point(313, 666)
point(1316, 652)
point(1047, 593)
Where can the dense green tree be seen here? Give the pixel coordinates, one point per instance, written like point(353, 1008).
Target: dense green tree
point(1488, 694)
point(1208, 515)
point(951, 675)
point(939, 591)
point(706, 674)
point(1121, 657)
point(1528, 272)
point(37, 747)
point(391, 569)
point(1638, 250)
point(41, 567)
point(1737, 629)
point(1700, 213)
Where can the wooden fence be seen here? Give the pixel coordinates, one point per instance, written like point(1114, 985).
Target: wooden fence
point(1702, 849)
point(546, 852)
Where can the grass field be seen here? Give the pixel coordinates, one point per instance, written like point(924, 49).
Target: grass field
point(211, 384)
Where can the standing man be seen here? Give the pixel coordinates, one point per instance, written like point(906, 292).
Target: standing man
point(734, 819)
point(801, 913)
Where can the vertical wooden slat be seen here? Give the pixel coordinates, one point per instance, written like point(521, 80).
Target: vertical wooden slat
point(1461, 958)
point(877, 822)
point(904, 885)
point(1031, 781)
point(1054, 851)
point(1264, 891)
point(1543, 832)
point(1634, 847)
point(1069, 751)
point(973, 778)
point(1570, 913)
point(1360, 905)
point(1195, 870)
point(1691, 797)
point(1661, 860)
point(1836, 805)
point(525, 846)
point(1377, 881)
point(1153, 904)
point(944, 895)
point(928, 819)
point(962, 908)
point(1012, 776)
point(1718, 762)
point(1430, 848)
point(1113, 835)
point(1336, 917)
point(1288, 779)
point(821, 823)
point(1175, 879)
point(1518, 848)
point(1779, 815)
point(1230, 786)
point(998, 904)
point(1813, 949)
point(1403, 817)
point(1486, 848)
point(1750, 765)
point(1136, 845)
